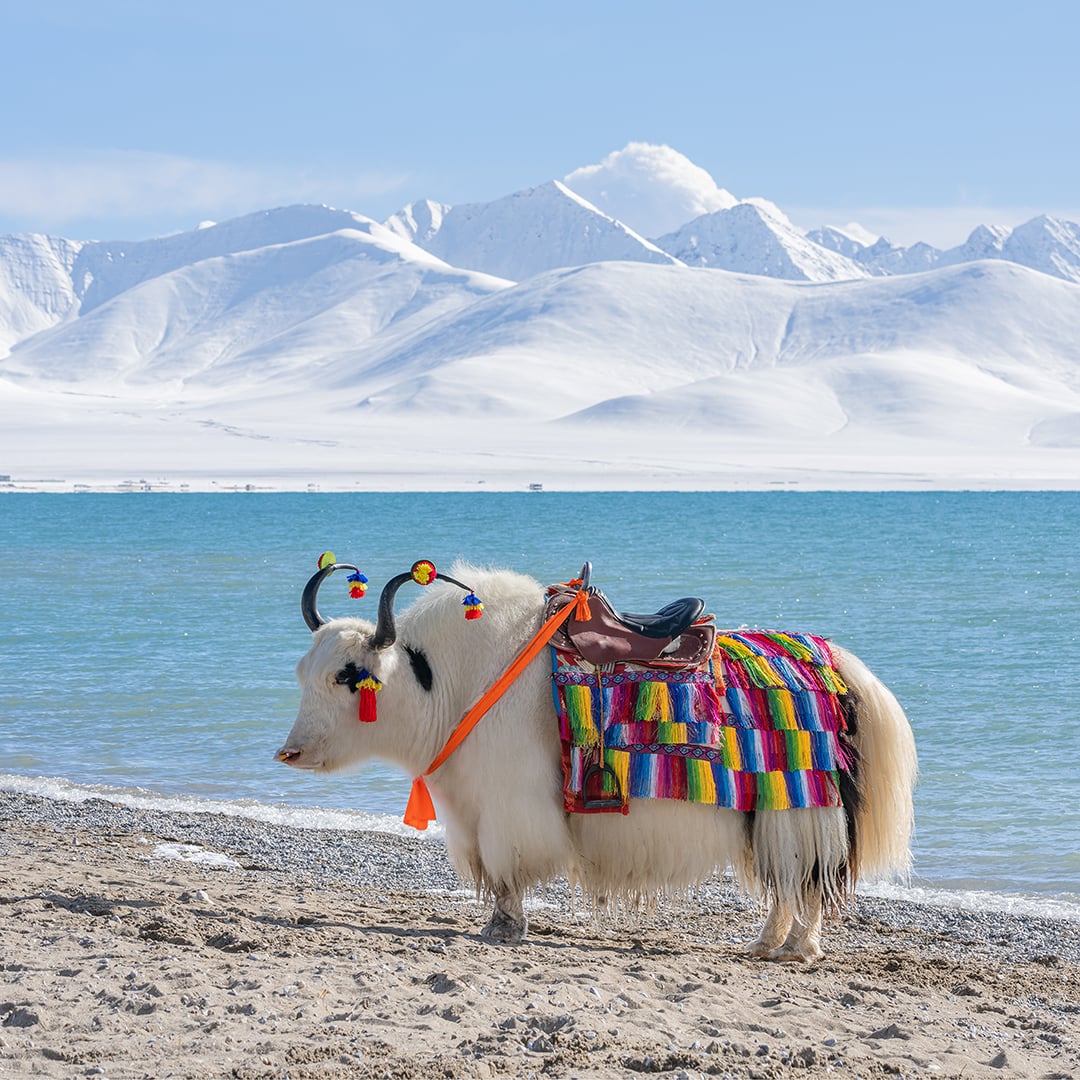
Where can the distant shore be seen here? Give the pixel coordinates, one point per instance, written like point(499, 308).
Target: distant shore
point(138, 943)
point(630, 482)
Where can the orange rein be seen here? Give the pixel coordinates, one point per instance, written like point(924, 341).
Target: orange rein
point(420, 810)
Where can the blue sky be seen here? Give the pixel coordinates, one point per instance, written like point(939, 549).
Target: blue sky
point(131, 119)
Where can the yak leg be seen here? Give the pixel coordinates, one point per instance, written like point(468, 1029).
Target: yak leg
point(773, 932)
point(507, 925)
point(803, 942)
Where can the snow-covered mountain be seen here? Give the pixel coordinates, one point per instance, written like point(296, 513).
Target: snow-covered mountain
point(1047, 244)
point(418, 222)
point(307, 340)
point(36, 287)
point(637, 344)
point(757, 238)
point(248, 315)
point(1044, 243)
point(523, 234)
point(880, 257)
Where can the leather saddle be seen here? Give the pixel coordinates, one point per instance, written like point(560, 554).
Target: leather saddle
point(676, 636)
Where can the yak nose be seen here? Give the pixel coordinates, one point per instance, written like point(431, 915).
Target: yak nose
point(288, 754)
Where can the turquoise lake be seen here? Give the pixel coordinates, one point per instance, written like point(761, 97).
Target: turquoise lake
point(148, 641)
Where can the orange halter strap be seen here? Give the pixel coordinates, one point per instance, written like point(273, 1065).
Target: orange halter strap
point(420, 810)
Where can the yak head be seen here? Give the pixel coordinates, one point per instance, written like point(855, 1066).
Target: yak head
point(366, 691)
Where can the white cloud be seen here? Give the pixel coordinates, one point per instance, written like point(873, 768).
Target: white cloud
point(48, 193)
point(653, 189)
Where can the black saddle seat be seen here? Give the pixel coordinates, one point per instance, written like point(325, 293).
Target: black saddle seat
point(669, 622)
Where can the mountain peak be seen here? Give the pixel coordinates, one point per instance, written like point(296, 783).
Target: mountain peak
point(756, 237)
point(530, 231)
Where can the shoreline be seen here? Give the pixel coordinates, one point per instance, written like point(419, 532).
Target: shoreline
point(145, 943)
point(420, 484)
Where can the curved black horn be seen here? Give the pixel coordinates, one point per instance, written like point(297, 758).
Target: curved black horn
point(423, 572)
point(385, 630)
point(309, 601)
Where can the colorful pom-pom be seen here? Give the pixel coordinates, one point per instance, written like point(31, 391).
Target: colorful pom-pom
point(358, 584)
point(474, 608)
point(424, 572)
point(327, 558)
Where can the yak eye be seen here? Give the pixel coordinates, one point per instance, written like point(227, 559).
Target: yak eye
point(347, 676)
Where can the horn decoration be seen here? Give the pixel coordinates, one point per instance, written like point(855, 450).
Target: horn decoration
point(327, 565)
point(423, 572)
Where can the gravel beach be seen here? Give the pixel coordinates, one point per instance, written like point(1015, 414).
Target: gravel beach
point(139, 943)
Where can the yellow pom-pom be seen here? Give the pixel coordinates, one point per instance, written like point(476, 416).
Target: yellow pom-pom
point(424, 572)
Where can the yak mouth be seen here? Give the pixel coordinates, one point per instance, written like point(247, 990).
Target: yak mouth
point(291, 755)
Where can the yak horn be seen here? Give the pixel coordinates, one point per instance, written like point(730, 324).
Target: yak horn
point(309, 601)
point(423, 572)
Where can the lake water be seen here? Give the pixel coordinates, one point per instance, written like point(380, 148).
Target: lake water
point(147, 641)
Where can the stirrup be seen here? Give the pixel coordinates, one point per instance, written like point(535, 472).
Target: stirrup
point(603, 802)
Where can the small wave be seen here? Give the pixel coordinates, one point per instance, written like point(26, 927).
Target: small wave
point(299, 817)
point(1064, 907)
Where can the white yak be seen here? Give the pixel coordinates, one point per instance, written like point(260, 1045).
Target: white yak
point(500, 792)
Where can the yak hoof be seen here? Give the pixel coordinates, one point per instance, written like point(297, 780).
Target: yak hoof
point(796, 954)
point(790, 952)
point(760, 949)
point(503, 929)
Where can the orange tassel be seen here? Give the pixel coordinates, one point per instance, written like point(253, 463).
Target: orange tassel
point(420, 810)
point(582, 613)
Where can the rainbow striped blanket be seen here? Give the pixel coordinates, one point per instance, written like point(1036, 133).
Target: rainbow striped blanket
point(760, 727)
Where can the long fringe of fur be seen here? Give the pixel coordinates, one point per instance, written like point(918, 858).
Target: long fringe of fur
point(887, 770)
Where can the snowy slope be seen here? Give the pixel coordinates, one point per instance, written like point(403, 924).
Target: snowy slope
point(526, 233)
point(757, 238)
point(104, 270)
point(35, 285)
point(931, 354)
point(418, 222)
point(244, 318)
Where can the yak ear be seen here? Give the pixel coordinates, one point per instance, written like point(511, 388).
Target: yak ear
point(420, 666)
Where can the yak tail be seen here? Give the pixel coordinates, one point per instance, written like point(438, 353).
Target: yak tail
point(884, 773)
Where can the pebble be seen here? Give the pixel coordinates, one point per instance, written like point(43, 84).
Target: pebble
point(388, 863)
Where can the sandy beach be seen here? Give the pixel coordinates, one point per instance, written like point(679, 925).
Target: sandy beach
point(136, 943)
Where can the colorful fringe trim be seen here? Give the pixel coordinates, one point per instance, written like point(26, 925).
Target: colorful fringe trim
point(757, 728)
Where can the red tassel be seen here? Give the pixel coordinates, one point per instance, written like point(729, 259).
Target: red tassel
point(368, 686)
point(368, 712)
point(420, 811)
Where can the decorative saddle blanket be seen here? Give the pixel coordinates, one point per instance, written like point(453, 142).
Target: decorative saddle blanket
point(759, 726)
